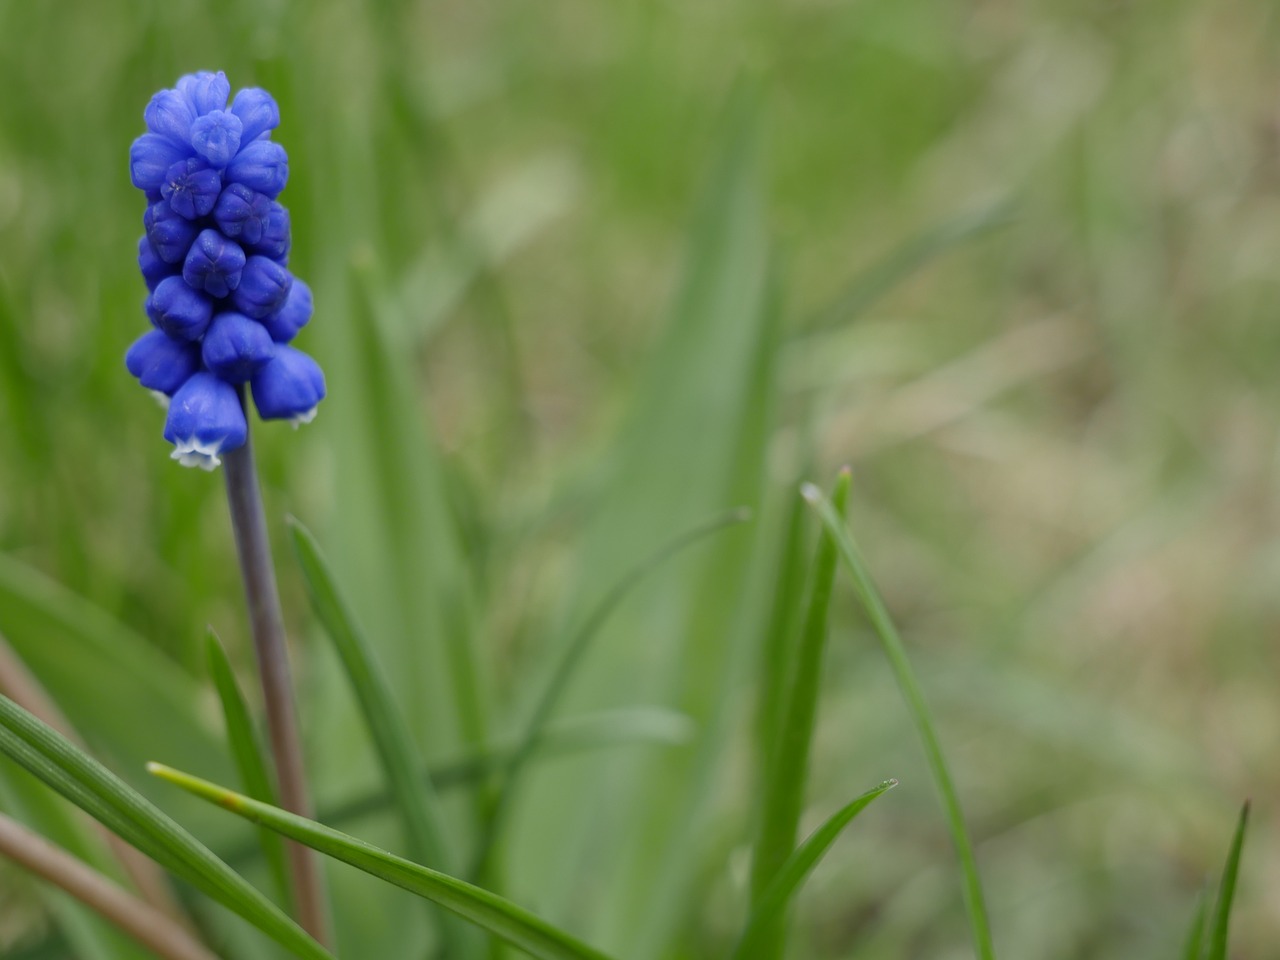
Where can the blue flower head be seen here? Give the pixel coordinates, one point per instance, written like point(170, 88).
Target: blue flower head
point(223, 304)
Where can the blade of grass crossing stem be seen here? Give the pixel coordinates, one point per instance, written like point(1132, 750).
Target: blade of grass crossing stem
point(625, 727)
point(1193, 946)
point(785, 781)
point(52, 758)
point(1217, 944)
point(499, 917)
point(891, 643)
point(246, 750)
point(788, 880)
point(414, 798)
point(573, 655)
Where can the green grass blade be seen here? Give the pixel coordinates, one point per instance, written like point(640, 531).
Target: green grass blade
point(486, 910)
point(865, 588)
point(787, 777)
point(788, 880)
point(391, 738)
point(1217, 943)
point(414, 797)
point(251, 764)
point(105, 797)
point(777, 659)
point(1193, 946)
point(573, 656)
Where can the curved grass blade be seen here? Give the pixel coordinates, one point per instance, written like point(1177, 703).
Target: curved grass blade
point(573, 655)
point(1217, 943)
point(788, 880)
point(629, 726)
point(246, 750)
point(912, 256)
point(414, 797)
point(788, 775)
point(499, 917)
point(900, 663)
point(52, 758)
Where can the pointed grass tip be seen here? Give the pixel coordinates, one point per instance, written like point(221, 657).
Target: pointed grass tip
point(201, 788)
point(813, 494)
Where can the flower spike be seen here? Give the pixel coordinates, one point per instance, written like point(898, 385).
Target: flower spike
point(214, 256)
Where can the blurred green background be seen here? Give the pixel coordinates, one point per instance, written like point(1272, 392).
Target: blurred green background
point(587, 274)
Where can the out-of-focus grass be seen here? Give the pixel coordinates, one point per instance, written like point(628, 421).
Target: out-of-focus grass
point(1063, 432)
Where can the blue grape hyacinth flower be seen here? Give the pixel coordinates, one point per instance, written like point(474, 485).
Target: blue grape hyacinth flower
point(214, 254)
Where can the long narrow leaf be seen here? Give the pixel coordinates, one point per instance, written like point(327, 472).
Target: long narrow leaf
point(247, 751)
point(414, 797)
point(1217, 945)
point(500, 917)
point(797, 868)
point(787, 777)
point(51, 757)
point(900, 663)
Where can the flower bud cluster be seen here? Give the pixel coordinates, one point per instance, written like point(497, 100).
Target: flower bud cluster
point(223, 305)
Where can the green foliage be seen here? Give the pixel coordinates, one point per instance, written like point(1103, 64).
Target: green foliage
point(246, 749)
point(903, 672)
point(495, 915)
point(86, 783)
point(785, 778)
point(532, 738)
point(788, 879)
point(414, 798)
point(1016, 263)
point(1216, 944)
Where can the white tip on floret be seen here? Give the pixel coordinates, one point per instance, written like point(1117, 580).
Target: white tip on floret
point(305, 417)
point(192, 453)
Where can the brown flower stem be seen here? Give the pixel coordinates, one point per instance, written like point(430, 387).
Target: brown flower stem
point(267, 623)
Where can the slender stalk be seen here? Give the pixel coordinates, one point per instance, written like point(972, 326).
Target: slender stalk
point(21, 686)
point(529, 742)
point(154, 930)
point(267, 623)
